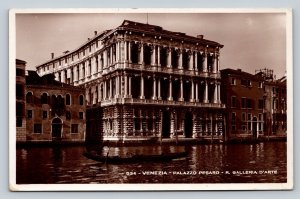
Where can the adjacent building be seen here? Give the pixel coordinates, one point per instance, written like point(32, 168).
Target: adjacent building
point(243, 94)
point(54, 111)
point(20, 101)
point(275, 104)
point(146, 83)
point(255, 104)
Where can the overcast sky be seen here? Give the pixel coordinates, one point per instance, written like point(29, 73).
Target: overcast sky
point(251, 41)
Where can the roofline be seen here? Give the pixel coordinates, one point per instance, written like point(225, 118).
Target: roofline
point(107, 33)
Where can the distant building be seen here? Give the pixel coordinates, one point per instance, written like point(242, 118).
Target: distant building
point(146, 83)
point(243, 94)
point(20, 101)
point(275, 104)
point(54, 111)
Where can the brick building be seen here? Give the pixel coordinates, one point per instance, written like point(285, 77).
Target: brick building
point(20, 101)
point(243, 94)
point(54, 111)
point(146, 83)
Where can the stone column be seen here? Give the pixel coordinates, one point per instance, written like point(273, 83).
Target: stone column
point(205, 99)
point(218, 63)
point(142, 96)
point(104, 90)
point(129, 52)
point(63, 80)
point(158, 55)
point(191, 59)
point(196, 61)
point(219, 94)
point(204, 69)
point(125, 52)
point(192, 91)
point(180, 59)
point(197, 98)
point(216, 93)
point(99, 94)
point(154, 89)
point(118, 50)
point(141, 53)
point(153, 56)
point(125, 86)
point(110, 88)
point(104, 59)
point(75, 73)
point(117, 87)
point(110, 55)
point(159, 89)
point(215, 63)
point(181, 90)
point(169, 63)
point(129, 85)
point(170, 98)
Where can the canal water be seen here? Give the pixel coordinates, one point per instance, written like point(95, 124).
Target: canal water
point(264, 162)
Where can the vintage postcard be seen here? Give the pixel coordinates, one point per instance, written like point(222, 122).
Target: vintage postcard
point(150, 99)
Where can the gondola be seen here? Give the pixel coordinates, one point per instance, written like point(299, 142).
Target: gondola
point(162, 157)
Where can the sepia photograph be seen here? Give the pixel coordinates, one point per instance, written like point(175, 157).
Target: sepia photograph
point(150, 99)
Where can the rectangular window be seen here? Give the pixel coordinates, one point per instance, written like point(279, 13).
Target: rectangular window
point(233, 81)
point(249, 126)
point(19, 91)
point(80, 115)
point(233, 117)
point(243, 116)
point(45, 114)
point(246, 82)
point(260, 117)
point(249, 103)
point(260, 84)
point(74, 128)
point(233, 101)
point(244, 102)
point(244, 127)
point(249, 117)
point(19, 122)
point(37, 128)
point(66, 60)
point(20, 72)
point(29, 114)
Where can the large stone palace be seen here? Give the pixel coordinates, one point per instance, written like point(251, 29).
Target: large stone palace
point(146, 83)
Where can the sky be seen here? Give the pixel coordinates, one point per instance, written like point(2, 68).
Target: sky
point(251, 40)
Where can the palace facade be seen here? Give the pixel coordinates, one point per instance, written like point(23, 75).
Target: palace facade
point(146, 83)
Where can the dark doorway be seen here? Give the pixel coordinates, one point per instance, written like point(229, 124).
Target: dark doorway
point(254, 127)
point(166, 124)
point(188, 125)
point(56, 128)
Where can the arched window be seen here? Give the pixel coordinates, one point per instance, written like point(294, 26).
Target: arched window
point(29, 97)
point(68, 99)
point(81, 99)
point(44, 98)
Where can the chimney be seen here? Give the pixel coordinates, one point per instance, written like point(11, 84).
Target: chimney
point(239, 70)
point(88, 39)
point(95, 32)
point(52, 55)
point(200, 36)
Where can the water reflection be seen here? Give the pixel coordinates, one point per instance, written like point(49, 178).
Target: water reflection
point(68, 165)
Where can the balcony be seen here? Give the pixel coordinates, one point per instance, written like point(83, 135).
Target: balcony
point(136, 101)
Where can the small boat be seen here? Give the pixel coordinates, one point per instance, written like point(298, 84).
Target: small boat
point(162, 157)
